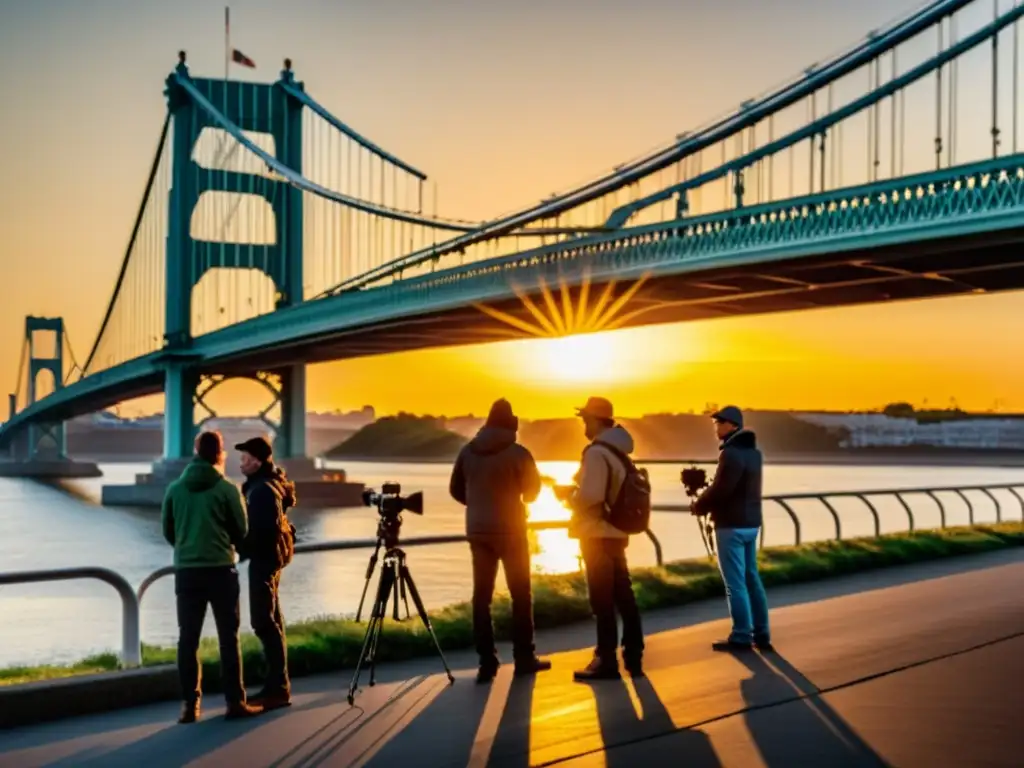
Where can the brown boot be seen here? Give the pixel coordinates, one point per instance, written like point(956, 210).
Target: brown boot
point(189, 712)
point(239, 710)
point(269, 700)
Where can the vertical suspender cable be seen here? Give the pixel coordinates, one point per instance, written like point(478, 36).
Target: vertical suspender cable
point(893, 106)
point(938, 106)
point(1016, 75)
point(995, 83)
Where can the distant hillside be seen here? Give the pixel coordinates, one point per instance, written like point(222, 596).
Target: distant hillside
point(400, 437)
point(674, 436)
point(657, 436)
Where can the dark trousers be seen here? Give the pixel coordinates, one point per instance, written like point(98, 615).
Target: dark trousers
point(268, 624)
point(195, 588)
point(610, 590)
point(513, 552)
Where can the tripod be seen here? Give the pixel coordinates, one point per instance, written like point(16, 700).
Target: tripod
point(395, 579)
point(706, 528)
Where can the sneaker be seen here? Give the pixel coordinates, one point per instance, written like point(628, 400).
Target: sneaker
point(731, 646)
point(764, 645)
point(239, 710)
point(532, 666)
point(598, 669)
point(189, 712)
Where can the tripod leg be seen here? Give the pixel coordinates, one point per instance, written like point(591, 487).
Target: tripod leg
point(406, 577)
point(373, 628)
point(369, 639)
point(369, 575)
point(387, 585)
point(397, 587)
point(405, 599)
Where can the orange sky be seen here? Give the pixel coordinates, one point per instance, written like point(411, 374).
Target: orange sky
point(502, 105)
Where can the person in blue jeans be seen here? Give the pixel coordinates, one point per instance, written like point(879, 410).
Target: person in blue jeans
point(734, 502)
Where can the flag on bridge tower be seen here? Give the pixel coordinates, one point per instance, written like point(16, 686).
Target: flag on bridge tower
point(233, 54)
point(240, 58)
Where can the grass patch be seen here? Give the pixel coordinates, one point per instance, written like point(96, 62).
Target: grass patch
point(326, 645)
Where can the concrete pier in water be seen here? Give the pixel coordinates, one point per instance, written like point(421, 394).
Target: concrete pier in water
point(49, 469)
point(315, 487)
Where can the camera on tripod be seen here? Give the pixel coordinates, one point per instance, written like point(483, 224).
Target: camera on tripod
point(390, 503)
point(694, 480)
point(395, 579)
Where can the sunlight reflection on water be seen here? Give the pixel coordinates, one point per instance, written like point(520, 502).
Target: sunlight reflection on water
point(553, 551)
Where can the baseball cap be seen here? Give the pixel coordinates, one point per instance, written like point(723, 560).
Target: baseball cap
point(730, 414)
point(257, 447)
point(597, 407)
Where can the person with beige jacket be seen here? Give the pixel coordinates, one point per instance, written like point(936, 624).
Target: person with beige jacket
point(603, 546)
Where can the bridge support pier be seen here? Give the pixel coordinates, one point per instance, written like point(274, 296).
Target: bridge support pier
point(180, 383)
point(184, 389)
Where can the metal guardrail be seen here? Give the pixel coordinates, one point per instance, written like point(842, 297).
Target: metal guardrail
point(899, 494)
point(131, 641)
point(131, 600)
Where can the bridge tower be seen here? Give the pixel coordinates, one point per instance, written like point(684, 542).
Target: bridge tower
point(257, 108)
point(45, 440)
point(40, 450)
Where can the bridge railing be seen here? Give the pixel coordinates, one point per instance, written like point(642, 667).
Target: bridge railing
point(131, 600)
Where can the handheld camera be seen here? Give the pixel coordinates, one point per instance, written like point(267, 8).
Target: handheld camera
point(694, 480)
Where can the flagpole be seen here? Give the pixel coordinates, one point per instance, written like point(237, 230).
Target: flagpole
point(227, 42)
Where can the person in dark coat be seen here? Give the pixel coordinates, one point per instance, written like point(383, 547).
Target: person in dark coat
point(269, 547)
point(496, 477)
point(734, 502)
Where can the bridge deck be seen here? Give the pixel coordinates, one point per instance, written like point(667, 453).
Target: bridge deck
point(913, 666)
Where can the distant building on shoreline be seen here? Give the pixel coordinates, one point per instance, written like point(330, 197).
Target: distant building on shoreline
point(869, 430)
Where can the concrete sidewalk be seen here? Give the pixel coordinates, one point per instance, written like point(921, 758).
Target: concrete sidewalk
point(918, 665)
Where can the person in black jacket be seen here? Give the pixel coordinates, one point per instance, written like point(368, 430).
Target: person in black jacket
point(734, 502)
point(495, 478)
point(268, 546)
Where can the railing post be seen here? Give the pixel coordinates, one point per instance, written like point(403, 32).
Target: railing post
point(874, 513)
point(1020, 500)
point(792, 516)
point(657, 547)
point(942, 508)
point(910, 514)
point(999, 509)
point(970, 506)
point(835, 516)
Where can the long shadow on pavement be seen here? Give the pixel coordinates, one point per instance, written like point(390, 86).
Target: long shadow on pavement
point(802, 732)
point(466, 727)
point(621, 724)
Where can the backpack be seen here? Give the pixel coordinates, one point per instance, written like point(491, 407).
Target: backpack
point(630, 512)
point(284, 546)
point(285, 539)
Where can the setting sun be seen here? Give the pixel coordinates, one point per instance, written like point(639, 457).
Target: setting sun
point(610, 358)
point(578, 358)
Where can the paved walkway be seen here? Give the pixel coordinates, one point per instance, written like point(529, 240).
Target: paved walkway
point(914, 666)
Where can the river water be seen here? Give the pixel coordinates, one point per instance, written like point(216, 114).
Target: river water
point(44, 527)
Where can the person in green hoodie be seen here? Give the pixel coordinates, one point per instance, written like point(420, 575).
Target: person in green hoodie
point(204, 519)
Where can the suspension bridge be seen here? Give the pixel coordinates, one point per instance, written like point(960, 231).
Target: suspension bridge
point(271, 234)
